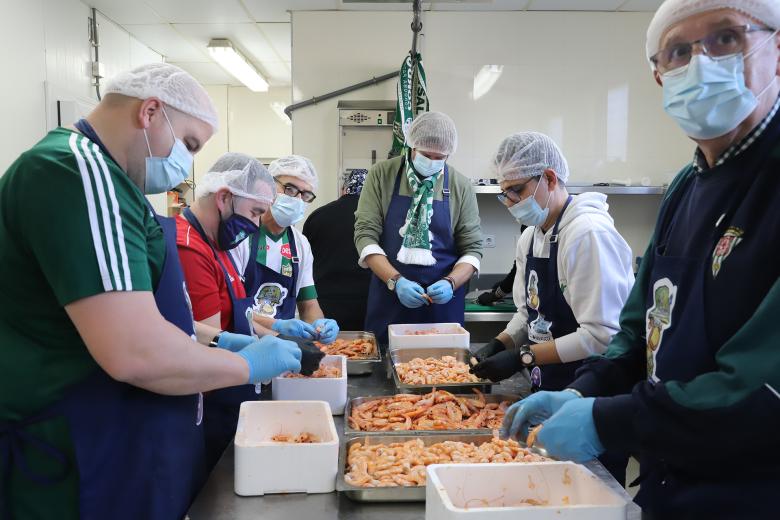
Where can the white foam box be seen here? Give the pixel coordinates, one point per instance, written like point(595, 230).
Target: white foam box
point(402, 335)
point(498, 492)
point(330, 389)
point(263, 466)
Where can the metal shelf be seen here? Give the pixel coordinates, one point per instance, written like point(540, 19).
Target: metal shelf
point(577, 189)
point(488, 316)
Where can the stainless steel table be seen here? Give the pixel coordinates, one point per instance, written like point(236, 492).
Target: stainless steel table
point(217, 501)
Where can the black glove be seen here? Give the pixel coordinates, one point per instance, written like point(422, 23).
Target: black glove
point(493, 347)
point(310, 354)
point(487, 298)
point(499, 366)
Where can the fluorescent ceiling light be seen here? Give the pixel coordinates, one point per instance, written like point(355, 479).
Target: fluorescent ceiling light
point(485, 79)
point(236, 64)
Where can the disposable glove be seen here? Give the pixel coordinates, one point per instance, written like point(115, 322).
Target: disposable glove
point(410, 293)
point(533, 410)
point(570, 433)
point(269, 356)
point(293, 327)
point(499, 366)
point(326, 329)
point(233, 342)
point(440, 292)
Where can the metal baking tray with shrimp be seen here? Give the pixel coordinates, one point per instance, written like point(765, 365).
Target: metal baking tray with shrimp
point(391, 468)
point(460, 355)
point(357, 364)
point(438, 411)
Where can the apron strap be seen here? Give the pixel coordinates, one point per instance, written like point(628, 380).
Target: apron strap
point(193, 220)
point(296, 262)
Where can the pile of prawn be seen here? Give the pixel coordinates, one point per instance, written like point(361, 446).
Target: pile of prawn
point(352, 349)
point(323, 371)
point(435, 371)
point(438, 410)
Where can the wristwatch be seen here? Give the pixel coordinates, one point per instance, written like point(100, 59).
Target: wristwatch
point(214, 343)
point(392, 281)
point(527, 357)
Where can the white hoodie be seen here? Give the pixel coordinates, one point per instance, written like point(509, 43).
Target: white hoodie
point(594, 270)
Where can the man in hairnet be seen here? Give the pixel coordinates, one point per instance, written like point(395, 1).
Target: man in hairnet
point(417, 229)
point(232, 198)
point(342, 285)
point(100, 380)
point(691, 382)
point(276, 262)
point(574, 272)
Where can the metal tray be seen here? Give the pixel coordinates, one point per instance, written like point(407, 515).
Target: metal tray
point(399, 493)
point(361, 366)
point(357, 401)
point(461, 354)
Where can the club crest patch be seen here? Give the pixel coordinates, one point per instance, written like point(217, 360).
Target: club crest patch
point(730, 239)
point(658, 319)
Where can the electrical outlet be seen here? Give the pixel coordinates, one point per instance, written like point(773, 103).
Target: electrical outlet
point(489, 241)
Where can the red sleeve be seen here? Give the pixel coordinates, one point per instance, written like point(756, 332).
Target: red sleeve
point(201, 272)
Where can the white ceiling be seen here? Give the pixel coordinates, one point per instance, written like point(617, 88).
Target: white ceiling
point(181, 29)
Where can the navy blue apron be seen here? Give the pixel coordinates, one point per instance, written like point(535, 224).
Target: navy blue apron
point(222, 406)
point(384, 307)
point(549, 316)
point(272, 294)
point(138, 454)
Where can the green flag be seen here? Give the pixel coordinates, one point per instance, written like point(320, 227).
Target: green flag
point(412, 99)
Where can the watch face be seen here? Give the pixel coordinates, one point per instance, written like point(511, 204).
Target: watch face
point(527, 358)
point(391, 284)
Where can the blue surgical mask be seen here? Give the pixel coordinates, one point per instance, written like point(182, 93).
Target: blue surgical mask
point(708, 97)
point(287, 210)
point(165, 173)
point(234, 230)
point(426, 166)
point(528, 212)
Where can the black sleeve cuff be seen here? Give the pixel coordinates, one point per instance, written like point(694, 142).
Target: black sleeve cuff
point(614, 420)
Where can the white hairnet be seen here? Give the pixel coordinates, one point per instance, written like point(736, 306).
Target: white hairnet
point(528, 154)
point(243, 175)
point(295, 166)
point(171, 85)
point(433, 132)
point(672, 12)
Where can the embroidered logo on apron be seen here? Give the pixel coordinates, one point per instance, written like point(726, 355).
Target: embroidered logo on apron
point(659, 318)
point(725, 246)
point(269, 298)
point(538, 329)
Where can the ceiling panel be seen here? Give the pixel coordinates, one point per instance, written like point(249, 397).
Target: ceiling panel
point(574, 5)
point(165, 40)
point(279, 35)
point(277, 11)
point(641, 5)
point(208, 73)
point(200, 11)
point(246, 36)
point(277, 73)
point(123, 12)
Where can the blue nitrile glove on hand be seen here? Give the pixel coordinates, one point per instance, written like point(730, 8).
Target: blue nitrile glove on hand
point(410, 293)
point(531, 411)
point(570, 433)
point(270, 356)
point(440, 292)
point(233, 342)
point(326, 329)
point(293, 327)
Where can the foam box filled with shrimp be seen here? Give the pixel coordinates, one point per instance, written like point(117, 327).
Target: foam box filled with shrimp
point(535, 491)
point(328, 383)
point(427, 335)
point(274, 439)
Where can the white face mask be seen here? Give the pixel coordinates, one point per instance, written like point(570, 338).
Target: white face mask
point(528, 212)
point(288, 211)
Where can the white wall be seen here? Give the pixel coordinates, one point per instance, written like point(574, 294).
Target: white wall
point(581, 77)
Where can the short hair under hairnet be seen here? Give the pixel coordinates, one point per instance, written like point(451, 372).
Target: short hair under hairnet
point(433, 132)
point(528, 154)
point(295, 166)
point(243, 175)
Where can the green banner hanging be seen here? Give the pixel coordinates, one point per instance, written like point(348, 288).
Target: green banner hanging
point(412, 99)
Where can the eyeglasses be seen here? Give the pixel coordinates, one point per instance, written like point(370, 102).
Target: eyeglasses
point(293, 191)
point(513, 192)
point(723, 42)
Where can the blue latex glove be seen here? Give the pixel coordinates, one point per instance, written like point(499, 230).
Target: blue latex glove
point(293, 327)
point(410, 293)
point(570, 432)
point(233, 342)
point(270, 356)
point(440, 292)
point(531, 411)
point(327, 329)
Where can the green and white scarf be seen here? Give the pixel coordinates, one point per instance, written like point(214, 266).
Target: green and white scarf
point(416, 247)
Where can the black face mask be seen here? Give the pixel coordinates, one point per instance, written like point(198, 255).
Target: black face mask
point(234, 230)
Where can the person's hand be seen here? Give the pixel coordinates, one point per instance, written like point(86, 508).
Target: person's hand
point(531, 411)
point(498, 366)
point(294, 327)
point(410, 293)
point(570, 433)
point(233, 342)
point(491, 348)
point(487, 298)
point(440, 292)
point(311, 353)
point(270, 356)
point(326, 329)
